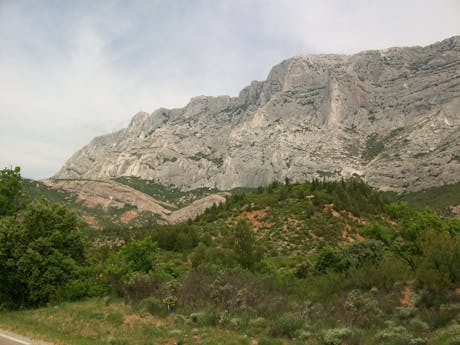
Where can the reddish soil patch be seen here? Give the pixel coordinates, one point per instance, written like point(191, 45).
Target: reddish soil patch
point(345, 234)
point(406, 297)
point(256, 217)
point(128, 216)
point(356, 219)
point(295, 223)
point(315, 237)
point(360, 237)
point(91, 221)
point(457, 291)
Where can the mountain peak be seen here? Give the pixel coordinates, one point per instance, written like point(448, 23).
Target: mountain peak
point(389, 115)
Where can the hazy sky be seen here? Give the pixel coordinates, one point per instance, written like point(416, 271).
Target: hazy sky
point(72, 70)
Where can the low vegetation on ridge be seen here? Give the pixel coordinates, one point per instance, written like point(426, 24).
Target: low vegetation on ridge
point(314, 263)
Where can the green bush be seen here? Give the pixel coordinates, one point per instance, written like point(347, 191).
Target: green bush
point(362, 308)
point(269, 341)
point(41, 251)
point(153, 306)
point(335, 336)
point(205, 318)
point(259, 323)
point(394, 335)
point(447, 336)
point(439, 269)
point(11, 185)
point(286, 325)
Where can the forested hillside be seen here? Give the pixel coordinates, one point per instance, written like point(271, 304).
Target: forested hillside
point(313, 263)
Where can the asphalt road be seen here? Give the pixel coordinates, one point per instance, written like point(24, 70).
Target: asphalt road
point(8, 340)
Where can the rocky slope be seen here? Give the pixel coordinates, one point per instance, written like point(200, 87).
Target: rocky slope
point(391, 116)
point(123, 204)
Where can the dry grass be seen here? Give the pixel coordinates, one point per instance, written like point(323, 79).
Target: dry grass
point(94, 322)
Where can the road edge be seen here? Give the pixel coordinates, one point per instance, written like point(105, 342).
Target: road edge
point(20, 339)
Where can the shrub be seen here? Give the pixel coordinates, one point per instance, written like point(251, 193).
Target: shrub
point(140, 286)
point(335, 336)
point(268, 341)
point(418, 325)
point(439, 269)
point(395, 335)
point(259, 323)
point(406, 312)
point(447, 336)
point(286, 325)
point(236, 323)
point(153, 305)
point(205, 318)
point(355, 255)
point(362, 307)
point(41, 252)
point(244, 244)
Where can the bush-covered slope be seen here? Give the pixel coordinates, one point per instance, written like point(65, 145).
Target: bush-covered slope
point(313, 263)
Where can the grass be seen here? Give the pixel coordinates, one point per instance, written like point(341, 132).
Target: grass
point(94, 322)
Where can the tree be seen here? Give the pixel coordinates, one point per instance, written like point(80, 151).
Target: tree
point(10, 191)
point(439, 267)
point(413, 226)
point(134, 258)
point(41, 250)
point(244, 244)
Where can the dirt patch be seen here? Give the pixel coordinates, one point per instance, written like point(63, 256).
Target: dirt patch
point(406, 297)
point(256, 219)
point(346, 234)
point(356, 219)
point(457, 291)
point(295, 223)
point(91, 221)
point(330, 208)
point(128, 216)
point(315, 237)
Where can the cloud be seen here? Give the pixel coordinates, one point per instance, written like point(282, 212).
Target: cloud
point(72, 70)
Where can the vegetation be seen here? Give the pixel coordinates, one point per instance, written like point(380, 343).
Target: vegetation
point(171, 194)
point(437, 198)
point(313, 263)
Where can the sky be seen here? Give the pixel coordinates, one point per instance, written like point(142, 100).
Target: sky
point(73, 70)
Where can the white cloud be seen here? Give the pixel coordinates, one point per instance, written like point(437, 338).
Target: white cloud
point(72, 70)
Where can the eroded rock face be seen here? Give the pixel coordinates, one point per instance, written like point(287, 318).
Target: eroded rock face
point(391, 116)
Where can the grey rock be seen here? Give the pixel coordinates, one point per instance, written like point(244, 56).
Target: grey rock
point(391, 116)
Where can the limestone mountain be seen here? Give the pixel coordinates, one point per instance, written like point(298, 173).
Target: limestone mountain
point(391, 116)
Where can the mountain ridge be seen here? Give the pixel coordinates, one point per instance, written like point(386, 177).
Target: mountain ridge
point(390, 116)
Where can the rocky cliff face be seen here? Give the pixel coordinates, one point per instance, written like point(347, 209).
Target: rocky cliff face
point(391, 116)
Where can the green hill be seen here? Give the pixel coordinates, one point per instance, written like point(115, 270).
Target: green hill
point(313, 263)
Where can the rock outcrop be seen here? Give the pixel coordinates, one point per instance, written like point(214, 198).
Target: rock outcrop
point(391, 116)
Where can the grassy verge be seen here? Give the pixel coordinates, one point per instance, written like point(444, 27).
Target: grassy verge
point(96, 321)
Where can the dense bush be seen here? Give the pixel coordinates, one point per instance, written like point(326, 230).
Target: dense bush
point(439, 267)
point(286, 325)
point(11, 186)
point(41, 250)
point(243, 243)
point(354, 255)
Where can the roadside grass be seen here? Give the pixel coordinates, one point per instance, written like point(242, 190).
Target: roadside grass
point(96, 321)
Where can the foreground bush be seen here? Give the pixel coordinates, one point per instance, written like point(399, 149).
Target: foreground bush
point(41, 251)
